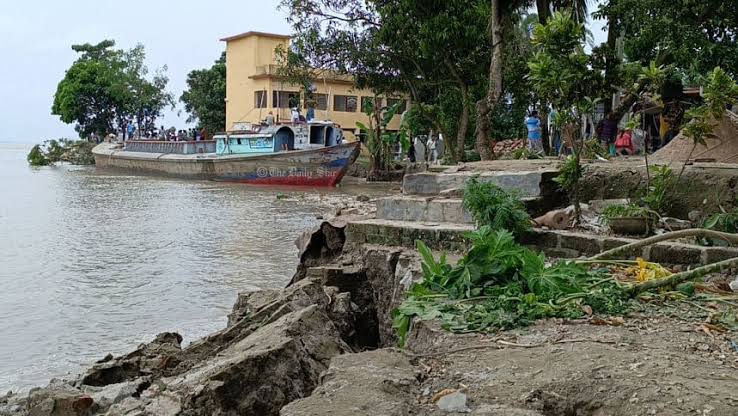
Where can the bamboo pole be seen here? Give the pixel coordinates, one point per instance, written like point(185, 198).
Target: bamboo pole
point(692, 232)
point(678, 278)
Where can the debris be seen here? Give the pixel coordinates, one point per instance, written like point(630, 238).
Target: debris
point(734, 345)
point(436, 397)
point(674, 224)
point(558, 219)
point(645, 271)
point(454, 402)
point(734, 285)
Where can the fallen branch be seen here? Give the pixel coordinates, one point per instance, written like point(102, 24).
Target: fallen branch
point(692, 232)
point(678, 278)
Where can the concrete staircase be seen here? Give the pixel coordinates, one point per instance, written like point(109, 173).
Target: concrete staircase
point(431, 209)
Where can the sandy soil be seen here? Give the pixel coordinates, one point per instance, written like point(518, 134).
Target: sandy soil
point(655, 362)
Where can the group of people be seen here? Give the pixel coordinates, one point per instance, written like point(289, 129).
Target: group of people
point(429, 151)
point(613, 134)
point(130, 132)
point(295, 116)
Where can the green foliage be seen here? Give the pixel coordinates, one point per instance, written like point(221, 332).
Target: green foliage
point(500, 284)
point(624, 211)
point(75, 152)
point(720, 91)
point(36, 157)
point(380, 141)
point(492, 206)
point(693, 36)
point(592, 149)
point(659, 194)
point(106, 88)
point(525, 153)
point(205, 96)
point(569, 174)
point(726, 221)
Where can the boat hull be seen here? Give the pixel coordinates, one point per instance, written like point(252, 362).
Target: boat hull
point(314, 167)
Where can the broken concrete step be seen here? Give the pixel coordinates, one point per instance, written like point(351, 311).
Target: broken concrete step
point(423, 209)
point(437, 235)
point(426, 209)
point(381, 382)
point(526, 183)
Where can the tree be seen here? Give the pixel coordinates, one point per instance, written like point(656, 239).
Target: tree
point(107, 88)
point(429, 49)
point(148, 97)
point(501, 16)
point(205, 96)
point(694, 36)
point(561, 73)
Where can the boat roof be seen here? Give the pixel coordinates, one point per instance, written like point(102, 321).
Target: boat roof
point(269, 130)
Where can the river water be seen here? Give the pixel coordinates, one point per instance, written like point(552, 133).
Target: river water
point(92, 263)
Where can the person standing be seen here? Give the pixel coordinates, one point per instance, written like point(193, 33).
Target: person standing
point(533, 123)
point(609, 132)
point(269, 119)
point(295, 115)
point(310, 115)
point(131, 131)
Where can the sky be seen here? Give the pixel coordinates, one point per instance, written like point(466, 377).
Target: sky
point(36, 38)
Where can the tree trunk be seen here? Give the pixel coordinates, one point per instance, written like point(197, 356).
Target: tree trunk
point(544, 11)
point(545, 133)
point(461, 132)
point(463, 126)
point(611, 60)
point(494, 89)
point(481, 132)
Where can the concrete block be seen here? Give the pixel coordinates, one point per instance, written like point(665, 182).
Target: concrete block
point(563, 253)
point(673, 253)
point(527, 184)
point(540, 238)
point(715, 254)
point(583, 243)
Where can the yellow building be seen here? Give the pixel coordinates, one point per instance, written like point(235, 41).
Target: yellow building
point(253, 88)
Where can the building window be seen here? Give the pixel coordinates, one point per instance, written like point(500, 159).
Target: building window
point(320, 100)
point(285, 99)
point(345, 103)
point(260, 99)
point(393, 101)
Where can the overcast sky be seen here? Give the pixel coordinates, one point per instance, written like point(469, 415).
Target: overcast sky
point(36, 35)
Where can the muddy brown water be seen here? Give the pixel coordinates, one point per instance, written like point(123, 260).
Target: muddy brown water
point(92, 263)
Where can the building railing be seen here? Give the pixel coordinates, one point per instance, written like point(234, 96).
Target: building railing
point(182, 148)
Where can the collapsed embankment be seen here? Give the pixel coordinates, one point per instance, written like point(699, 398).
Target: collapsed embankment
point(275, 347)
point(324, 345)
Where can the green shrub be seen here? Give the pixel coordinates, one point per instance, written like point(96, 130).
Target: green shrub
point(625, 211)
point(659, 195)
point(500, 284)
point(492, 206)
point(726, 222)
point(36, 157)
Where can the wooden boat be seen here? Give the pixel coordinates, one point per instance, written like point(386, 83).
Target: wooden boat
point(305, 154)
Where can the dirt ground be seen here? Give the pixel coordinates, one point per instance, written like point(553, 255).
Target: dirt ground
point(653, 362)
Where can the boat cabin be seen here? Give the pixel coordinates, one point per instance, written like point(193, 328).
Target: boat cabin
point(278, 138)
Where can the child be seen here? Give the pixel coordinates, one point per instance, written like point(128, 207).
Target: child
point(624, 143)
